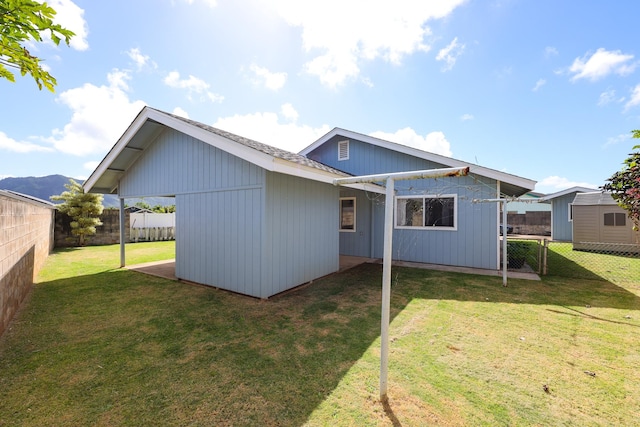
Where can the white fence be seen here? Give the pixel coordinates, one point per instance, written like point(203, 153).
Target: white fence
point(150, 226)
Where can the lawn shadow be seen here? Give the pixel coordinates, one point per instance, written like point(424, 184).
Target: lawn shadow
point(169, 353)
point(121, 345)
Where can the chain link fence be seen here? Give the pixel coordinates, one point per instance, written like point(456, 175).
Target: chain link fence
point(616, 263)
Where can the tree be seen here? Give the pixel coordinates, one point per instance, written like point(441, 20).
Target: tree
point(22, 21)
point(83, 208)
point(625, 185)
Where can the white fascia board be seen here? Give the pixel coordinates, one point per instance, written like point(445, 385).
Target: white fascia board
point(122, 142)
point(437, 158)
point(568, 191)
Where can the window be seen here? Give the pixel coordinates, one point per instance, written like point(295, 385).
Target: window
point(343, 150)
point(348, 214)
point(615, 219)
point(428, 212)
point(570, 212)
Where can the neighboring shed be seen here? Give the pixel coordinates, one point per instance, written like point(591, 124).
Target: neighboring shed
point(561, 213)
point(250, 218)
point(599, 224)
point(437, 221)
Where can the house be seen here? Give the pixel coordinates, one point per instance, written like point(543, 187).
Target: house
point(259, 220)
point(599, 224)
point(438, 221)
point(561, 212)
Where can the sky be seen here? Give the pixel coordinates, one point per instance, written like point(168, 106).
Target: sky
point(548, 90)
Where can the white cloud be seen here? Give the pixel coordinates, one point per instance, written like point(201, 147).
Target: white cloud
point(272, 81)
point(550, 51)
point(635, 98)
point(539, 84)
point(553, 184)
point(450, 54)
point(607, 97)
point(347, 33)
point(90, 166)
point(615, 140)
point(601, 64)
point(193, 85)
point(466, 117)
point(140, 60)
point(100, 114)
point(180, 112)
point(266, 128)
point(289, 112)
point(9, 144)
point(434, 142)
point(71, 17)
point(210, 3)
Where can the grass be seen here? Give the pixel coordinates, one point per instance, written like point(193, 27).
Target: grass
point(97, 345)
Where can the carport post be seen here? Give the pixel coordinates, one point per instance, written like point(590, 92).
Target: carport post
point(122, 233)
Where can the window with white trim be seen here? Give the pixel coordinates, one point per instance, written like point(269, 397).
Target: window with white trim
point(427, 212)
point(348, 214)
point(343, 150)
point(615, 219)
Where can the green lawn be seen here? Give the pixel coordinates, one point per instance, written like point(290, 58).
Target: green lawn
point(97, 345)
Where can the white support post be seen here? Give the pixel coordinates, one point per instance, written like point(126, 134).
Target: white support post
point(386, 288)
point(504, 242)
point(122, 233)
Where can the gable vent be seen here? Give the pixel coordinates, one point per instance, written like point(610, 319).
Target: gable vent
point(343, 150)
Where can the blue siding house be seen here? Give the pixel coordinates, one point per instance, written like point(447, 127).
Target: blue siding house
point(258, 220)
point(562, 212)
point(437, 221)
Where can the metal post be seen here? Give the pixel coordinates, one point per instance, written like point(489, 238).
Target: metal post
point(386, 288)
point(122, 233)
point(504, 242)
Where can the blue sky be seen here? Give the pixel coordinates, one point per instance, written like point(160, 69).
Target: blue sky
point(545, 89)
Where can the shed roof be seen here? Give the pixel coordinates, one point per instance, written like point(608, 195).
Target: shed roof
point(150, 122)
point(593, 198)
point(566, 191)
point(511, 185)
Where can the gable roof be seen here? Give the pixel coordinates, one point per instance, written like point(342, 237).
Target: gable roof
point(594, 198)
point(511, 185)
point(561, 193)
point(150, 122)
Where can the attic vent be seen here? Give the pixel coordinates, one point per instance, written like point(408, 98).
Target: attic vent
point(343, 150)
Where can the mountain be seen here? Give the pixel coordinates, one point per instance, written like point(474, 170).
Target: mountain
point(43, 187)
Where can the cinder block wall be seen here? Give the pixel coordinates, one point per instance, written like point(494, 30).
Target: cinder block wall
point(532, 223)
point(26, 239)
point(106, 234)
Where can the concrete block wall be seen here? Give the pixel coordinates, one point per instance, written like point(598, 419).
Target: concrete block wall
point(106, 234)
point(536, 223)
point(26, 239)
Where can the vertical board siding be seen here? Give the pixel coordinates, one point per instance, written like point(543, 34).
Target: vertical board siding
point(358, 243)
point(219, 237)
point(561, 227)
point(177, 164)
point(474, 244)
point(301, 235)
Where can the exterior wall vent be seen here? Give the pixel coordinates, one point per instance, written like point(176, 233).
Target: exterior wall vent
point(343, 150)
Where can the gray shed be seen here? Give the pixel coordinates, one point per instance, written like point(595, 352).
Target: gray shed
point(250, 218)
point(599, 224)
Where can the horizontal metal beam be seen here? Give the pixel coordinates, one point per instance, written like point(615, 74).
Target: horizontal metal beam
point(428, 173)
